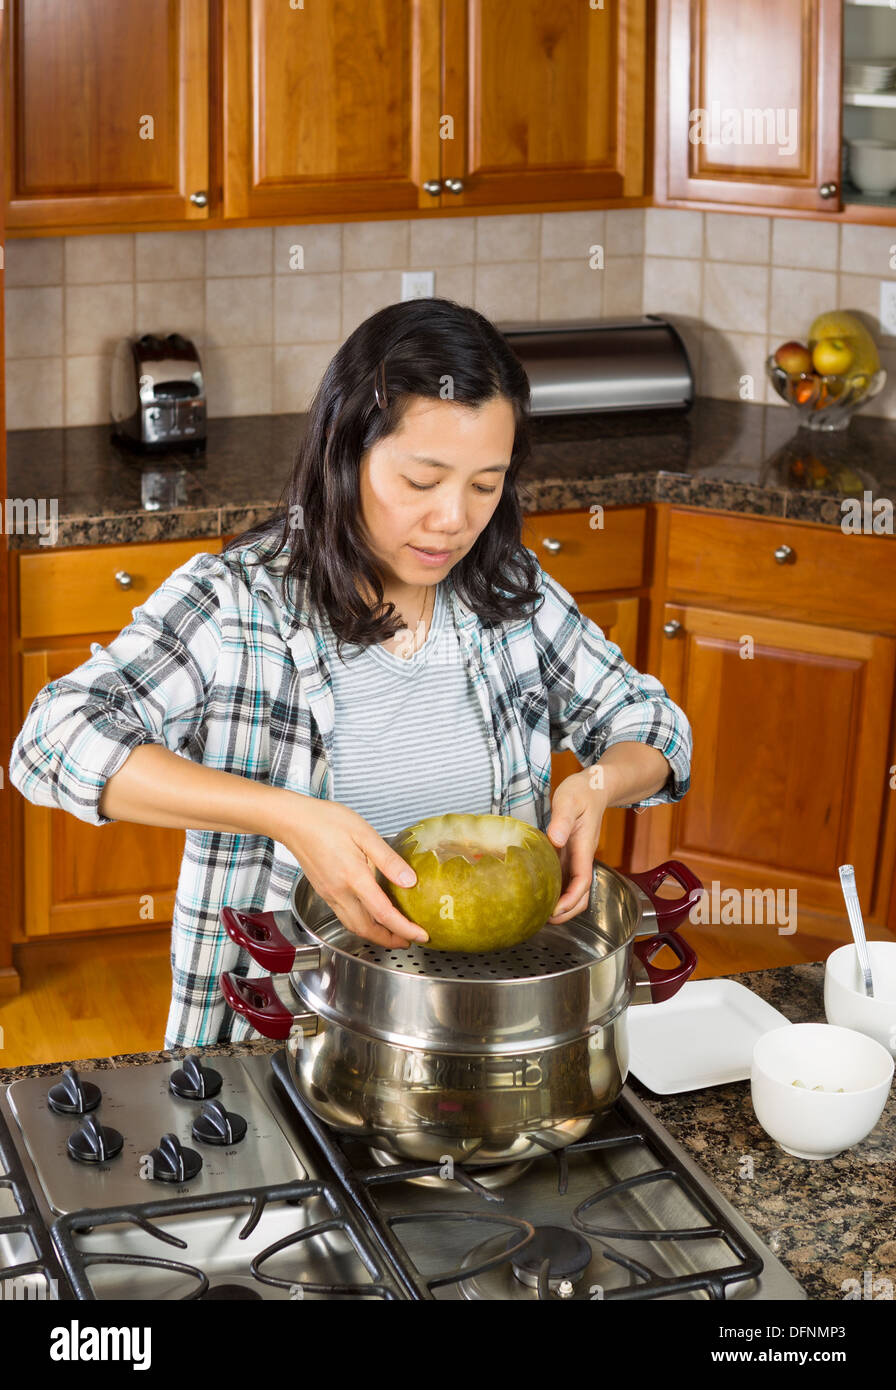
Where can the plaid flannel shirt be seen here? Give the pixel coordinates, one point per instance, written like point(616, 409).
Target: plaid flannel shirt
point(225, 667)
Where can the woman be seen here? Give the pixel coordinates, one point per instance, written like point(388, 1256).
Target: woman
point(383, 649)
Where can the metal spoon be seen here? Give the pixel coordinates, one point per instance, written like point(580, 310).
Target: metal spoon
point(851, 898)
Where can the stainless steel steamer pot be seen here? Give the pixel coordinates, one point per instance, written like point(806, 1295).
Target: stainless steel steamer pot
point(480, 1058)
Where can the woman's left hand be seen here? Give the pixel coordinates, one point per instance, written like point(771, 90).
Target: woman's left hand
point(577, 810)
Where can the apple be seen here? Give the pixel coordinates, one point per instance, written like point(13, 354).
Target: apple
point(832, 356)
point(794, 359)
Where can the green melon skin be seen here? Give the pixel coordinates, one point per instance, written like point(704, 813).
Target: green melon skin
point(499, 876)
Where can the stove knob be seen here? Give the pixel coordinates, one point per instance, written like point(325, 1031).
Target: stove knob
point(194, 1081)
point(72, 1096)
point(94, 1143)
point(215, 1125)
point(171, 1162)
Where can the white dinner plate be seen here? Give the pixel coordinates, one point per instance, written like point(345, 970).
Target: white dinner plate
point(703, 1036)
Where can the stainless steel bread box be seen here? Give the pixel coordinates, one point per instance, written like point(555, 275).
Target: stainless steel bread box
point(603, 364)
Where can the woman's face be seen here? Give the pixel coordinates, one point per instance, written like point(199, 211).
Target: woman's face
point(429, 489)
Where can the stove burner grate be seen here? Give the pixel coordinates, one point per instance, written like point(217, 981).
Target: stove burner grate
point(715, 1282)
point(77, 1261)
point(42, 1276)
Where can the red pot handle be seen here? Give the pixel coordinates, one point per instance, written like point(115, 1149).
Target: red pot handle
point(257, 1000)
point(669, 911)
point(664, 983)
point(271, 940)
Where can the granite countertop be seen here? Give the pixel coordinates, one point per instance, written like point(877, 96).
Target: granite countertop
point(728, 455)
point(827, 1221)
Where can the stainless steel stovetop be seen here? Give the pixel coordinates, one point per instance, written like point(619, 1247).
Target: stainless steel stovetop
point(288, 1209)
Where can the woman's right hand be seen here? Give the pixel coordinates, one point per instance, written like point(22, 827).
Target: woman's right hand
point(338, 851)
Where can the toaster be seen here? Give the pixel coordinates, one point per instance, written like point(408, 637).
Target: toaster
point(158, 393)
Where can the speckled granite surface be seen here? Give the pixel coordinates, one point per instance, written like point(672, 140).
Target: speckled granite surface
point(828, 1222)
point(727, 455)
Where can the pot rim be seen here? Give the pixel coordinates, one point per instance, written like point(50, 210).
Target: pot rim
point(641, 908)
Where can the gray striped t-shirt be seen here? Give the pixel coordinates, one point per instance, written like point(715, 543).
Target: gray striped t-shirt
point(409, 733)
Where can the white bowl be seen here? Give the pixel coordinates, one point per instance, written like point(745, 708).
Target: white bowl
point(819, 1124)
point(872, 165)
point(845, 1002)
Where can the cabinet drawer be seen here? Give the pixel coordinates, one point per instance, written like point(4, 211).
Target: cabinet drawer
point(71, 591)
point(827, 576)
point(582, 558)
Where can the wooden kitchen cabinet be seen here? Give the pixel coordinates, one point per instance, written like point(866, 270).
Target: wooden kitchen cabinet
point(263, 110)
point(585, 556)
point(778, 639)
point(487, 103)
point(77, 877)
point(789, 771)
point(549, 101)
point(63, 592)
point(85, 878)
point(774, 56)
point(107, 109)
point(329, 109)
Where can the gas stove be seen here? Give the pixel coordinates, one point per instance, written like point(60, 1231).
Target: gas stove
point(210, 1179)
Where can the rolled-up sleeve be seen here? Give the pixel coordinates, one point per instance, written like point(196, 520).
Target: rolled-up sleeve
point(149, 685)
point(596, 698)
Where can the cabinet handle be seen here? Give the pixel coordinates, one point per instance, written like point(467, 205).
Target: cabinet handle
point(123, 579)
point(672, 628)
point(828, 190)
point(785, 555)
point(200, 199)
point(433, 186)
point(551, 545)
point(454, 185)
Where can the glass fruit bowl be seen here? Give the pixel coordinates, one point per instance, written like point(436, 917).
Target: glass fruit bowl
point(824, 402)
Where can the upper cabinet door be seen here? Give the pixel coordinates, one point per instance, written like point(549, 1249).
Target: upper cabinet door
point(107, 112)
point(543, 103)
point(749, 103)
point(330, 107)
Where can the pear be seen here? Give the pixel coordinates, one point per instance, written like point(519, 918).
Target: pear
point(843, 325)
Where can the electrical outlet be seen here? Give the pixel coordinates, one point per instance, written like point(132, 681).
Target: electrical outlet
point(417, 284)
point(888, 307)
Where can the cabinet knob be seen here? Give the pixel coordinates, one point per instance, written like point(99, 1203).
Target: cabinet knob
point(828, 190)
point(552, 545)
point(785, 555)
point(123, 579)
point(433, 186)
point(454, 185)
point(672, 628)
point(199, 199)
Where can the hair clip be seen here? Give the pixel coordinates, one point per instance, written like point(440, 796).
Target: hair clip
point(379, 386)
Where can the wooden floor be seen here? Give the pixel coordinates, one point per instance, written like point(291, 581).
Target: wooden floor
point(87, 998)
point(92, 998)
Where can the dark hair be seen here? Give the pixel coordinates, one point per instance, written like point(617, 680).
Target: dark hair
point(405, 350)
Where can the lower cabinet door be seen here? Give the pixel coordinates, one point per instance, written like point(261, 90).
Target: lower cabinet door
point(791, 726)
point(84, 878)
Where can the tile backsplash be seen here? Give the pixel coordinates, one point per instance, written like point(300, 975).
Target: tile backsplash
point(268, 306)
